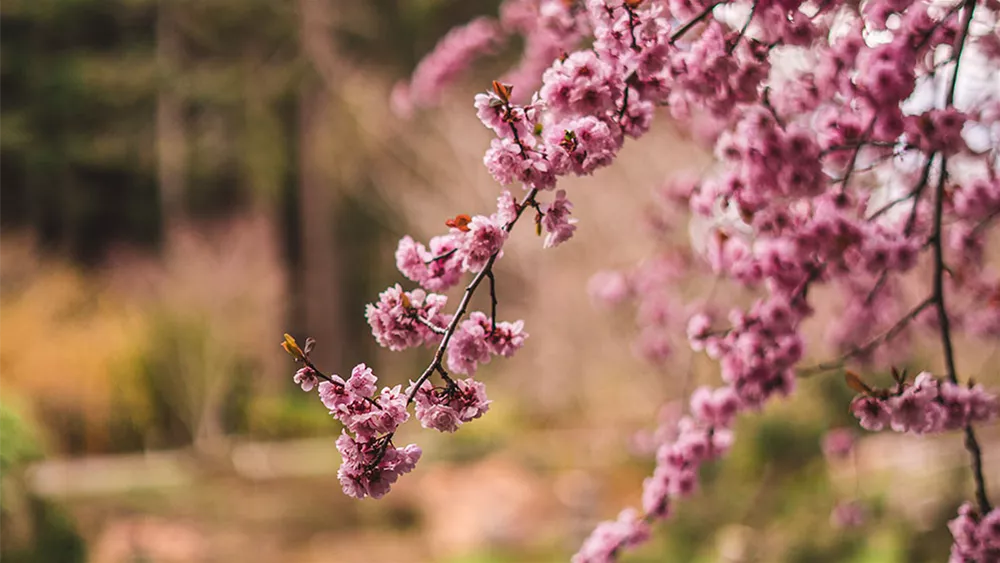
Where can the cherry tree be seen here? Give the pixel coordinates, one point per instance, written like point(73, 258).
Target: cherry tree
point(857, 150)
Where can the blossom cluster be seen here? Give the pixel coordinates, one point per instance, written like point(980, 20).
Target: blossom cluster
point(404, 319)
point(371, 463)
point(479, 338)
point(630, 529)
point(977, 536)
point(451, 57)
point(446, 408)
point(927, 405)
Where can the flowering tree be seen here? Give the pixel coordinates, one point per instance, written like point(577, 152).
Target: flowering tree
point(857, 145)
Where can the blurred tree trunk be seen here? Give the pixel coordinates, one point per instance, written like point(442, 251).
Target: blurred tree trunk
point(170, 133)
point(320, 289)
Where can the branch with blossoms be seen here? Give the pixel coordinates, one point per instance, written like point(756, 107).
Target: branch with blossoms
point(816, 162)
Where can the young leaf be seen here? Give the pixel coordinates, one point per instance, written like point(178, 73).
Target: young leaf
point(292, 347)
point(855, 383)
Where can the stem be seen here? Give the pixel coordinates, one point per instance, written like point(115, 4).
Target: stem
point(322, 375)
point(766, 100)
point(442, 256)
point(850, 147)
point(631, 26)
point(872, 344)
point(882, 210)
point(854, 155)
point(969, 5)
point(743, 30)
point(930, 33)
point(695, 21)
point(924, 177)
point(971, 444)
point(493, 302)
point(878, 286)
point(517, 139)
point(624, 108)
point(985, 221)
point(330, 380)
point(434, 328)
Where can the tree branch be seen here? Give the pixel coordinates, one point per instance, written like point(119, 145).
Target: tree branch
point(694, 21)
point(871, 345)
point(470, 289)
point(493, 302)
point(971, 444)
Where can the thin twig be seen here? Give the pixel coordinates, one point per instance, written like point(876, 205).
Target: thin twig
point(624, 108)
point(493, 302)
point(631, 26)
point(743, 30)
point(517, 138)
point(853, 146)
point(434, 328)
point(854, 156)
point(986, 221)
point(435, 365)
point(330, 380)
point(930, 32)
point(442, 256)
point(871, 345)
point(695, 21)
point(445, 377)
point(970, 5)
point(322, 375)
point(971, 443)
point(878, 286)
point(766, 100)
point(470, 289)
point(911, 221)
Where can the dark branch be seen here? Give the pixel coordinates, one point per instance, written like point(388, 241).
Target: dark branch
point(743, 30)
point(694, 21)
point(871, 345)
point(971, 443)
point(434, 328)
point(493, 302)
point(487, 271)
point(442, 256)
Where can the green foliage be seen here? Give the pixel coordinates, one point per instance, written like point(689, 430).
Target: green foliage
point(19, 444)
point(31, 528)
point(53, 537)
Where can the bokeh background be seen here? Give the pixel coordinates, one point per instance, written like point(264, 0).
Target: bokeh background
point(185, 180)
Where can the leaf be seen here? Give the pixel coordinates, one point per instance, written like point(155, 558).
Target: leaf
point(502, 90)
point(292, 347)
point(460, 222)
point(855, 383)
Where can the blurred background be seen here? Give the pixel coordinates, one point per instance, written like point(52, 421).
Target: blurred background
point(185, 180)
